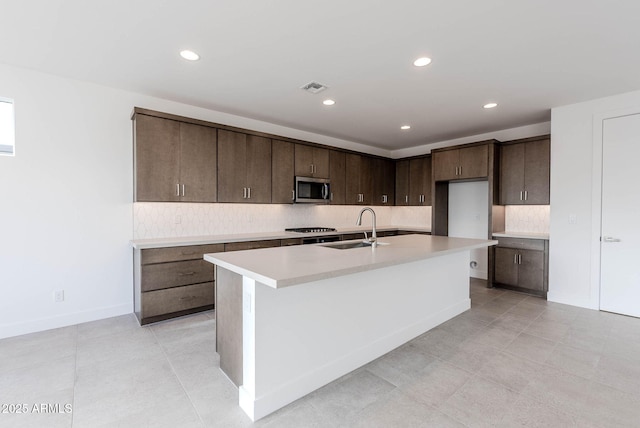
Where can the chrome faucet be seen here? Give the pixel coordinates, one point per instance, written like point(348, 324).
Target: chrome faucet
point(374, 238)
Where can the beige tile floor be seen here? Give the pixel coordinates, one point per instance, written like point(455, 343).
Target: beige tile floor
point(511, 360)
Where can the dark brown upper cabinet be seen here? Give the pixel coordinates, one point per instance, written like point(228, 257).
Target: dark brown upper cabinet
point(420, 181)
point(384, 172)
point(413, 181)
point(524, 173)
point(311, 161)
point(461, 164)
point(337, 175)
point(359, 180)
point(174, 161)
point(282, 172)
point(402, 182)
point(244, 168)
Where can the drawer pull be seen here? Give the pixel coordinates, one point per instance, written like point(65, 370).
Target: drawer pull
point(186, 273)
point(188, 254)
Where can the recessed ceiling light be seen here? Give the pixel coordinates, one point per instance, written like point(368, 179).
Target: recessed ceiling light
point(421, 62)
point(490, 105)
point(189, 55)
point(405, 127)
point(328, 102)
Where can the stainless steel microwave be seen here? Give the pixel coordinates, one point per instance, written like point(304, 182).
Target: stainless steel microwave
point(312, 190)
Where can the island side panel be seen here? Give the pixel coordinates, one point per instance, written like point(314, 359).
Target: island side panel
point(229, 323)
point(311, 334)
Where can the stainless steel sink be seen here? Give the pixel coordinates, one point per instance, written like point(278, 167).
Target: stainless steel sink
point(352, 244)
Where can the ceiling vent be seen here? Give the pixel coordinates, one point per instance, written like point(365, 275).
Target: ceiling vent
point(314, 87)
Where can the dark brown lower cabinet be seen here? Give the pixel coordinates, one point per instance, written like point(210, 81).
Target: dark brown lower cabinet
point(522, 265)
point(173, 281)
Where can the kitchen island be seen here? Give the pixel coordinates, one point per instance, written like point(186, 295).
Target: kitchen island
point(292, 319)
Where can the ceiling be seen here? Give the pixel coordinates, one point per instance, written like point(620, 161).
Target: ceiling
point(527, 55)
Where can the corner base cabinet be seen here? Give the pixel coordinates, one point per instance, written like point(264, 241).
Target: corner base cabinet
point(522, 264)
point(173, 281)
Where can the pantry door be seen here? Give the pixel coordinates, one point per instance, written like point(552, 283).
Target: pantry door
point(620, 228)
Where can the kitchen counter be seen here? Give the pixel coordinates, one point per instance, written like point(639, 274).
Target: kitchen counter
point(525, 235)
point(285, 266)
point(292, 319)
point(142, 244)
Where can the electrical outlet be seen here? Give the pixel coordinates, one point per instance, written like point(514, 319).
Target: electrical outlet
point(573, 219)
point(58, 296)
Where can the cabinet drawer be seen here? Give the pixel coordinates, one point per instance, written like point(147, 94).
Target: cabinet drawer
point(162, 302)
point(175, 274)
point(290, 241)
point(522, 243)
point(175, 254)
point(251, 245)
point(352, 236)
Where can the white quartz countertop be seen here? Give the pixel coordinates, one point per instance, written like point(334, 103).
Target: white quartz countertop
point(142, 244)
point(526, 235)
point(285, 266)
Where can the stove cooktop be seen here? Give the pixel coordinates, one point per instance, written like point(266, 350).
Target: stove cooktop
point(310, 229)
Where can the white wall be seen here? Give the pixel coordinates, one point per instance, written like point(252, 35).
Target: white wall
point(469, 217)
point(575, 185)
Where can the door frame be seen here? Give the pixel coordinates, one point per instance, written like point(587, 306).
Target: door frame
point(596, 197)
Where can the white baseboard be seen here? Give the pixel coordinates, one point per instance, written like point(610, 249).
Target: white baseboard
point(42, 324)
point(570, 300)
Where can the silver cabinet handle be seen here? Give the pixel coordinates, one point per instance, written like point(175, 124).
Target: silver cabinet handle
point(515, 259)
point(406, 199)
point(521, 195)
point(293, 195)
point(610, 239)
point(177, 189)
point(311, 168)
point(331, 197)
point(249, 193)
point(183, 190)
point(186, 273)
point(526, 195)
point(519, 259)
point(244, 193)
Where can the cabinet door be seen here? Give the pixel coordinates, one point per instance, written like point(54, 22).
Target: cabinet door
point(383, 171)
point(512, 174)
point(304, 160)
point(337, 175)
point(445, 165)
point(531, 270)
point(232, 174)
point(420, 181)
point(157, 159)
point(402, 182)
point(353, 166)
point(258, 169)
point(320, 162)
point(282, 172)
point(198, 154)
point(536, 172)
point(474, 162)
point(506, 267)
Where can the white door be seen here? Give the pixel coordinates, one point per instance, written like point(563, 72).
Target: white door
point(620, 232)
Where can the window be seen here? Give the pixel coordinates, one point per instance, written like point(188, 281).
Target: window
point(7, 127)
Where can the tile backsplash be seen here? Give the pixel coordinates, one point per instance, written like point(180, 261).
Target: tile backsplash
point(527, 218)
point(164, 220)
